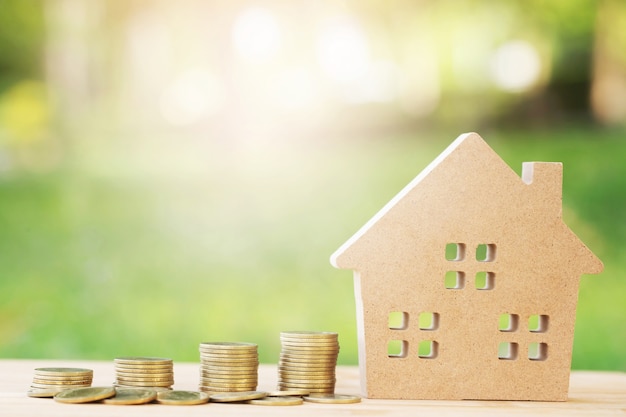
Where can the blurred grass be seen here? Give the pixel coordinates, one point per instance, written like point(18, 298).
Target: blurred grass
point(152, 248)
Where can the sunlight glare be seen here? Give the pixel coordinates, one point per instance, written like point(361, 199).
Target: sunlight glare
point(256, 35)
point(343, 50)
point(194, 95)
point(516, 66)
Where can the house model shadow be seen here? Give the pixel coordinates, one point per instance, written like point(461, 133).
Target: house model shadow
point(466, 282)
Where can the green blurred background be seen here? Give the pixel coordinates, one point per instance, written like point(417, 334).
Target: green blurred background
point(179, 172)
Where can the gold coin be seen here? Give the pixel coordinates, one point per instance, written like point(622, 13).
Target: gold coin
point(333, 399)
point(63, 371)
point(125, 396)
point(297, 342)
point(241, 346)
point(229, 397)
point(62, 382)
point(182, 397)
point(142, 360)
point(84, 395)
point(289, 393)
point(235, 386)
point(63, 378)
point(306, 385)
point(318, 380)
point(146, 384)
point(277, 401)
point(58, 386)
point(144, 370)
point(309, 335)
point(157, 389)
point(322, 391)
point(233, 353)
point(44, 392)
point(210, 389)
point(146, 378)
point(306, 373)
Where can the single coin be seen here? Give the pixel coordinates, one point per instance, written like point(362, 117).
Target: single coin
point(63, 371)
point(177, 397)
point(147, 371)
point(324, 381)
point(62, 381)
point(63, 378)
point(230, 384)
point(230, 352)
point(308, 334)
point(84, 395)
point(229, 345)
point(333, 399)
point(146, 384)
point(229, 397)
point(213, 390)
point(234, 358)
point(157, 389)
point(144, 360)
point(168, 378)
point(277, 401)
point(289, 393)
point(43, 392)
point(125, 396)
point(59, 386)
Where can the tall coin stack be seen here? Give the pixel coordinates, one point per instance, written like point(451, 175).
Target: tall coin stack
point(144, 372)
point(48, 381)
point(228, 366)
point(308, 361)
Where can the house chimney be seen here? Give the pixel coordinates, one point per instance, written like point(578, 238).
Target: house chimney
point(546, 180)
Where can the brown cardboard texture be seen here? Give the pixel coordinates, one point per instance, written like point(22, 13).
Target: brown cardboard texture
point(466, 282)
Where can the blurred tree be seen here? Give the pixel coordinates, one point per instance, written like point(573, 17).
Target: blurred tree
point(609, 63)
point(21, 40)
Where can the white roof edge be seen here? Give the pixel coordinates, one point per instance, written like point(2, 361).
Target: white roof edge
point(443, 155)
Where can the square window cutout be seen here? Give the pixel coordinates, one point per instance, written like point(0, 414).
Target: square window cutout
point(428, 321)
point(397, 348)
point(538, 351)
point(508, 322)
point(455, 251)
point(507, 351)
point(486, 252)
point(427, 349)
point(398, 320)
point(454, 280)
point(538, 323)
point(485, 280)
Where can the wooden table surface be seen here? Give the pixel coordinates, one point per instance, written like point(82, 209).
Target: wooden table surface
point(591, 393)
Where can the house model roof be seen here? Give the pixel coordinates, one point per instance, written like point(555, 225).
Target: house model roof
point(466, 282)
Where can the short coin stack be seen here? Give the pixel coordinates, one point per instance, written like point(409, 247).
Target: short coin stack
point(49, 381)
point(144, 372)
point(308, 361)
point(228, 367)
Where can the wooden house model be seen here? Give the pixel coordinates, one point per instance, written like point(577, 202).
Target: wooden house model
point(466, 282)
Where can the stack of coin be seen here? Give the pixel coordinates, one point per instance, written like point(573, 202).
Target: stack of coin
point(144, 372)
point(49, 381)
point(228, 367)
point(308, 361)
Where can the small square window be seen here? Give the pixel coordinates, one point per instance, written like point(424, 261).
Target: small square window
point(538, 351)
point(398, 320)
point(486, 252)
point(507, 351)
point(454, 280)
point(538, 323)
point(508, 322)
point(455, 251)
point(427, 349)
point(397, 348)
point(485, 280)
point(428, 321)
